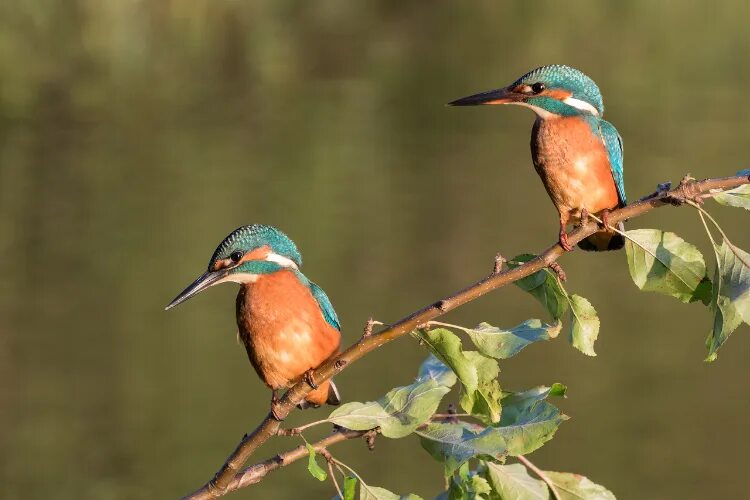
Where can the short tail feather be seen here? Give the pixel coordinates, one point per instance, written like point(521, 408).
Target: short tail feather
point(604, 240)
point(327, 393)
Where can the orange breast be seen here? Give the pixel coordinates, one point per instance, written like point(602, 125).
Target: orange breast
point(283, 328)
point(573, 164)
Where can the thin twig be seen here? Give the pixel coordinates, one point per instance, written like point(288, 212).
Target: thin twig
point(539, 472)
point(329, 460)
point(257, 472)
point(268, 428)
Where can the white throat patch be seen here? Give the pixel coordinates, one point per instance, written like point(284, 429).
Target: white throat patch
point(582, 105)
point(540, 112)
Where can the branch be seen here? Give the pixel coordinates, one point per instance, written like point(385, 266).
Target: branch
point(257, 472)
point(687, 190)
point(539, 472)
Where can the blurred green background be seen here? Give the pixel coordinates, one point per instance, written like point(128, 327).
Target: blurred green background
point(135, 135)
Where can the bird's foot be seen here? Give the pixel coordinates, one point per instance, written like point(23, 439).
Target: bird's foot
point(276, 410)
point(605, 219)
point(309, 379)
point(564, 243)
point(584, 217)
point(275, 406)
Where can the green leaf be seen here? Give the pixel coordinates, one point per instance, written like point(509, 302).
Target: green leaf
point(528, 420)
point(545, 286)
point(731, 298)
point(367, 492)
point(737, 197)
point(452, 444)
point(480, 391)
point(703, 291)
point(433, 368)
point(316, 470)
point(663, 262)
point(502, 344)
point(585, 325)
point(514, 482)
point(350, 487)
point(403, 409)
point(558, 389)
point(479, 485)
point(576, 487)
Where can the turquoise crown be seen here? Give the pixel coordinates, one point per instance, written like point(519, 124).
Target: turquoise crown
point(246, 238)
point(559, 76)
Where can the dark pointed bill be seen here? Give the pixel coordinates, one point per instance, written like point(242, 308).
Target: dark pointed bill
point(204, 281)
point(497, 96)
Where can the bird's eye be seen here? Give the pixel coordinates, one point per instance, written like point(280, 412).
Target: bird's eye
point(236, 256)
point(538, 87)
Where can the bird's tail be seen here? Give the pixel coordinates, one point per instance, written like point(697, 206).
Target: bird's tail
point(604, 240)
point(326, 393)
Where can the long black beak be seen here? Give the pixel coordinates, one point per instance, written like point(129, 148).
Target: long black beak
point(207, 279)
point(497, 96)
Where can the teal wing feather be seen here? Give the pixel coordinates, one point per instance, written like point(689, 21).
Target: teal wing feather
point(613, 143)
point(325, 306)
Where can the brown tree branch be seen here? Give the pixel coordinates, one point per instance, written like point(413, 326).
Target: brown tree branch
point(257, 472)
point(220, 484)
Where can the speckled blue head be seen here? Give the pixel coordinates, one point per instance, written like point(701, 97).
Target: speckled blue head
point(549, 90)
point(248, 238)
point(246, 253)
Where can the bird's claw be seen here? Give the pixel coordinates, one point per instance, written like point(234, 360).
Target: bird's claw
point(605, 219)
point(564, 243)
point(309, 379)
point(276, 411)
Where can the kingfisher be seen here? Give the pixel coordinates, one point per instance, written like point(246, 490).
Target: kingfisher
point(286, 322)
point(577, 153)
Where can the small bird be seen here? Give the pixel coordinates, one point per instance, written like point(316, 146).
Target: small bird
point(285, 321)
point(577, 154)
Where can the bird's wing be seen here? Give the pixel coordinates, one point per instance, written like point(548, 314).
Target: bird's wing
point(613, 143)
point(325, 306)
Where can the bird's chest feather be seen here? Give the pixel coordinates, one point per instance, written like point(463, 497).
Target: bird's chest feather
point(573, 164)
point(282, 328)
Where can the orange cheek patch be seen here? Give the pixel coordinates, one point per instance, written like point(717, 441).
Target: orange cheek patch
point(558, 94)
point(257, 254)
point(221, 264)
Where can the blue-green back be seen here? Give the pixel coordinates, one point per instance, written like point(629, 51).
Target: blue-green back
point(326, 308)
point(613, 143)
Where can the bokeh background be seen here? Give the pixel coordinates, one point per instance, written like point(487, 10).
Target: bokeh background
point(135, 135)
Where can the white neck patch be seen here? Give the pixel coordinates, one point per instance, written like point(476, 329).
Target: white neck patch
point(281, 260)
point(582, 105)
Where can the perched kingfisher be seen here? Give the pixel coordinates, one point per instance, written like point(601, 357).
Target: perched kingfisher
point(577, 154)
point(286, 321)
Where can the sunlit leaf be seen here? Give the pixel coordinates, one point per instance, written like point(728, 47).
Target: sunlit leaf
point(663, 262)
point(479, 485)
point(528, 421)
point(502, 344)
point(480, 391)
point(403, 409)
point(433, 368)
point(514, 482)
point(350, 487)
point(576, 487)
point(558, 389)
point(316, 470)
point(452, 444)
point(367, 492)
point(737, 197)
point(545, 286)
point(731, 298)
point(584, 325)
